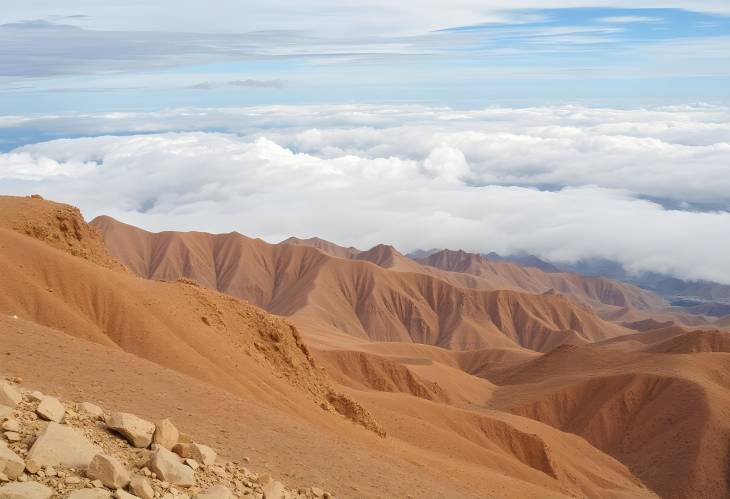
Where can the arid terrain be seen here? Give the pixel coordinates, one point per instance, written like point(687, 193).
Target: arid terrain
point(365, 373)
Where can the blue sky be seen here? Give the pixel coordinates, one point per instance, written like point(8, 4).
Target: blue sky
point(95, 56)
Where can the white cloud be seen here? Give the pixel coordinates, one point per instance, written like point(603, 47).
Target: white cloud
point(414, 177)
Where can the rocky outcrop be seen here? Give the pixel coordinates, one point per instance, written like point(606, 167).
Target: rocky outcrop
point(83, 458)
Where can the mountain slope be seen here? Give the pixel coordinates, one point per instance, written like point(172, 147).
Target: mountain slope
point(356, 297)
point(186, 346)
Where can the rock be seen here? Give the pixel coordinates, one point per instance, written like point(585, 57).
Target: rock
point(10, 464)
point(274, 490)
point(316, 491)
point(219, 491)
point(72, 480)
point(12, 436)
point(90, 494)
point(91, 409)
point(35, 396)
point(51, 409)
point(201, 453)
point(192, 463)
point(141, 487)
point(9, 395)
point(97, 484)
point(32, 466)
point(136, 430)
point(11, 425)
point(5, 411)
point(166, 434)
point(168, 467)
point(51, 471)
point(60, 445)
point(109, 470)
point(121, 494)
point(25, 490)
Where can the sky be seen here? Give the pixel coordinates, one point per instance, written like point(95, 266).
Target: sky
point(590, 129)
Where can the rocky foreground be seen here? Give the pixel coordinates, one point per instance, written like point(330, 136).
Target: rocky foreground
point(49, 450)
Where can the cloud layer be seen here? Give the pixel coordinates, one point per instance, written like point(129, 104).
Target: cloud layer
point(649, 188)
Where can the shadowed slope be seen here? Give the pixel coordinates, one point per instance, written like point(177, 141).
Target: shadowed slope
point(664, 416)
point(507, 275)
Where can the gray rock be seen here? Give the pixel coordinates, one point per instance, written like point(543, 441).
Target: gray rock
point(60, 445)
point(91, 409)
point(10, 463)
point(169, 468)
point(219, 491)
point(51, 409)
point(166, 434)
point(109, 470)
point(9, 395)
point(141, 487)
point(25, 490)
point(137, 431)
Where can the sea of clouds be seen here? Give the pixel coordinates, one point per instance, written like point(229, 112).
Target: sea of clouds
point(649, 188)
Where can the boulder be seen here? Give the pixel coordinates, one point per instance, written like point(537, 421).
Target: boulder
point(12, 436)
point(166, 434)
point(25, 490)
point(60, 445)
point(141, 487)
point(137, 431)
point(9, 395)
point(219, 491)
point(169, 468)
point(91, 409)
point(90, 494)
point(109, 470)
point(10, 464)
point(34, 396)
point(11, 425)
point(51, 409)
point(201, 453)
point(32, 466)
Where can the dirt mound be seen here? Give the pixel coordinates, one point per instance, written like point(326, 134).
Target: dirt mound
point(58, 225)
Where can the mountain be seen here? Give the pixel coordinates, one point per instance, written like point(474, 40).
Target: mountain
point(667, 286)
point(78, 324)
point(593, 291)
point(326, 246)
point(381, 295)
point(424, 377)
point(525, 261)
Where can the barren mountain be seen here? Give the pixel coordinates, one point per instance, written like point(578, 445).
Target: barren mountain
point(85, 326)
point(406, 363)
point(391, 299)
